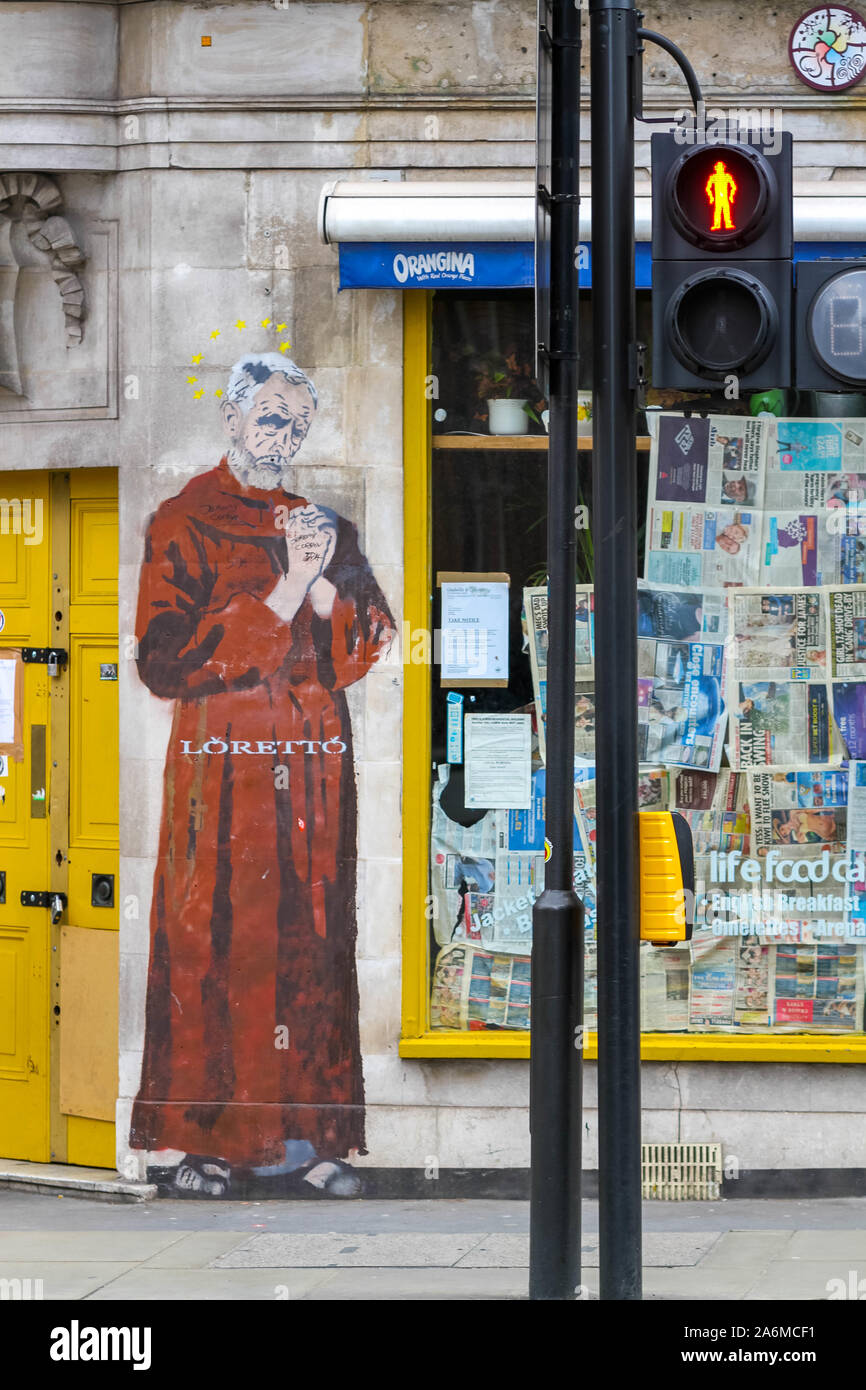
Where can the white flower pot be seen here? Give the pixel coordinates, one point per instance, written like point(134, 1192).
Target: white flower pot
point(507, 417)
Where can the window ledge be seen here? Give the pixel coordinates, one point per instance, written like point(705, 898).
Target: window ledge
point(657, 1047)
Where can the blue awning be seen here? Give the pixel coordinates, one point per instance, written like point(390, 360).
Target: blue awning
point(498, 265)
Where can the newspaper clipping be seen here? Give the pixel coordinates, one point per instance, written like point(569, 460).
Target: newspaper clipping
point(706, 491)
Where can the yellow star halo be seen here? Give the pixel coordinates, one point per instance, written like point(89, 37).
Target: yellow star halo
point(240, 324)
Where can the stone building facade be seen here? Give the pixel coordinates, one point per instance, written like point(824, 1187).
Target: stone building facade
point(188, 146)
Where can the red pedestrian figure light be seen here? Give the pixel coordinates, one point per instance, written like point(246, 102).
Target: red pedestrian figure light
point(721, 190)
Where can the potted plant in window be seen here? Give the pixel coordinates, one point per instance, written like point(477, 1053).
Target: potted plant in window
point(507, 386)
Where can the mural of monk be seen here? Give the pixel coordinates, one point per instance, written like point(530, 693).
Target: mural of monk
point(256, 610)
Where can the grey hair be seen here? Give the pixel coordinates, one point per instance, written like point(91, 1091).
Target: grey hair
point(253, 371)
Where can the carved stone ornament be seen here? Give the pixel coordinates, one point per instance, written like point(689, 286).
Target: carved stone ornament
point(34, 201)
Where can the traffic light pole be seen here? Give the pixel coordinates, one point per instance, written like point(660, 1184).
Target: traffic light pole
point(557, 920)
point(613, 42)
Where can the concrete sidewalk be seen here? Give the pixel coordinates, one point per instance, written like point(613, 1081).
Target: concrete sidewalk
point(83, 1249)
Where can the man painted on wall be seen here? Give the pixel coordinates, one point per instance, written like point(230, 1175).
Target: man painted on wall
point(256, 610)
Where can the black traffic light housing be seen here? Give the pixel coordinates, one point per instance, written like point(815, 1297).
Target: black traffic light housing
point(723, 245)
point(831, 325)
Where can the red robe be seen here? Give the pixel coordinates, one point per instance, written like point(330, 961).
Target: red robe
point(253, 918)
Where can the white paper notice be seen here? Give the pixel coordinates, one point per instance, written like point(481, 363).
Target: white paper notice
point(7, 700)
point(474, 630)
point(498, 763)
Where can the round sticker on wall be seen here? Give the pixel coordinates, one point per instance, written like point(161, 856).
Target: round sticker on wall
point(828, 48)
point(2, 620)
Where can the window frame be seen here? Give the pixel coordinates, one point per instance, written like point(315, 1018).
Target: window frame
point(417, 1039)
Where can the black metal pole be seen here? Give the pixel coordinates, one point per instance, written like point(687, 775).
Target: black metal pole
point(612, 52)
point(557, 950)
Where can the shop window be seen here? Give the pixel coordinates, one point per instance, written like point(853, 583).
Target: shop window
point(772, 965)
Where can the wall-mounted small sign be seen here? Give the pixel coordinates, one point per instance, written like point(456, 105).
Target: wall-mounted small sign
point(828, 48)
point(2, 620)
point(108, 671)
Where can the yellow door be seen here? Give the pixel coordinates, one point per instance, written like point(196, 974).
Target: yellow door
point(25, 932)
point(88, 948)
point(63, 1108)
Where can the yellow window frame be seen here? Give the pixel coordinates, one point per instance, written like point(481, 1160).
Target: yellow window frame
point(417, 1039)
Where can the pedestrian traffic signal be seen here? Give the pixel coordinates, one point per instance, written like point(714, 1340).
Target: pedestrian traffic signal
point(722, 244)
point(831, 324)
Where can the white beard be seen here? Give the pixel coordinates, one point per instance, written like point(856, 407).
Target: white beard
point(263, 473)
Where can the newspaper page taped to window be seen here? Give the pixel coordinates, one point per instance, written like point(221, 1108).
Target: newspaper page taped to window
point(706, 490)
point(815, 503)
point(779, 696)
point(681, 673)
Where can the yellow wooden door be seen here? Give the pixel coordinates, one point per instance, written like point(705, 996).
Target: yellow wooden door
point(88, 948)
point(25, 932)
point(58, 980)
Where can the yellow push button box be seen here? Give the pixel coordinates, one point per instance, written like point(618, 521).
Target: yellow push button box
point(667, 877)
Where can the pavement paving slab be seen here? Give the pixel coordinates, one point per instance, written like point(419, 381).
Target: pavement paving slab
point(807, 1280)
point(813, 1245)
point(404, 1250)
point(697, 1285)
point(195, 1249)
point(149, 1285)
point(747, 1249)
point(426, 1285)
point(670, 1248)
point(60, 1280)
point(80, 1246)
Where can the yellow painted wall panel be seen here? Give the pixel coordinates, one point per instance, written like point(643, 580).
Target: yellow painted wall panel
point(90, 1143)
point(94, 551)
point(88, 1011)
point(93, 744)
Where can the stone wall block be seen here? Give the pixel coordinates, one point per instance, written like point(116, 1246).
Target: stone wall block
point(408, 1134)
point(197, 219)
point(81, 40)
point(379, 990)
point(379, 809)
point(373, 421)
point(483, 1137)
point(377, 327)
point(286, 206)
point(383, 715)
point(379, 898)
point(305, 50)
point(481, 46)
